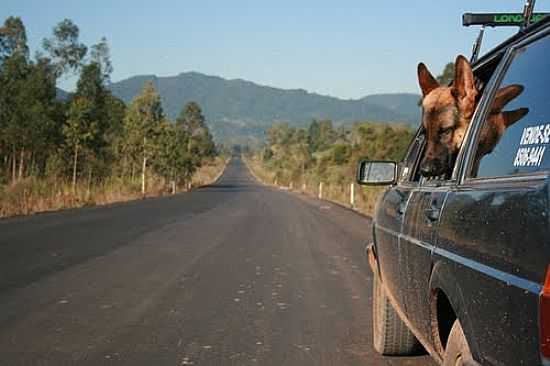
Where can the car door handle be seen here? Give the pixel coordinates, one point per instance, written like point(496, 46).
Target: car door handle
point(400, 209)
point(432, 214)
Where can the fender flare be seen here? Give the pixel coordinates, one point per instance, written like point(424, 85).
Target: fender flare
point(444, 279)
point(371, 253)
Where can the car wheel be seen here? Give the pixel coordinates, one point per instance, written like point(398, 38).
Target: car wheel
point(457, 352)
point(391, 336)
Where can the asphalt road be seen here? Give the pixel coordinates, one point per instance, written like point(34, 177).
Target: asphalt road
point(231, 274)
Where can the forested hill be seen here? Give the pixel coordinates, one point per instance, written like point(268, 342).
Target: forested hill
point(239, 104)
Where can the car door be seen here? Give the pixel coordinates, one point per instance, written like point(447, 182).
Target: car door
point(417, 242)
point(389, 220)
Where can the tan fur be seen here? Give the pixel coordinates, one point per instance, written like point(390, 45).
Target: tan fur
point(446, 108)
point(466, 98)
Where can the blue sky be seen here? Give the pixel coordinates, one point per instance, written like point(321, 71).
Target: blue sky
point(347, 49)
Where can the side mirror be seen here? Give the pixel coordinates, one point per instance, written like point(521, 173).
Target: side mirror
point(376, 172)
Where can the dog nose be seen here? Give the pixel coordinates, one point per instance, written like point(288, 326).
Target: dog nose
point(427, 169)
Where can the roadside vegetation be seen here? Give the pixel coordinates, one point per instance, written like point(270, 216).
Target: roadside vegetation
point(321, 160)
point(88, 147)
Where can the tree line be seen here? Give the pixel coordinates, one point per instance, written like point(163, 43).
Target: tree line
point(322, 152)
point(91, 135)
point(321, 159)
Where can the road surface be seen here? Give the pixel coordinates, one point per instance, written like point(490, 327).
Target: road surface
point(231, 274)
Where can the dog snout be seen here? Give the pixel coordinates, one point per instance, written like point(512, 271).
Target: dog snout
point(431, 168)
point(428, 168)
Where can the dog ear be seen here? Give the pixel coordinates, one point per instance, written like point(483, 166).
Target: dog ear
point(463, 84)
point(511, 117)
point(504, 96)
point(426, 80)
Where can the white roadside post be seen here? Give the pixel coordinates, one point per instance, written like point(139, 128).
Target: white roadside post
point(320, 190)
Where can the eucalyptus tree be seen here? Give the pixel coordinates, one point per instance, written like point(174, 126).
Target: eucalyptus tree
point(142, 125)
point(64, 48)
point(200, 144)
point(87, 122)
point(13, 39)
point(101, 55)
point(173, 161)
point(80, 129)
point(27, 98)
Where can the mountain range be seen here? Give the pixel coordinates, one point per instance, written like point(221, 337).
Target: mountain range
point(238, 108)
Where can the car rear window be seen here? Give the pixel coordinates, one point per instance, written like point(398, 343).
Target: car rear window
point(515, 138)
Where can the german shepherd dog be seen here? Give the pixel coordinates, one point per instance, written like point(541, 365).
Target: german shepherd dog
point(447, 112)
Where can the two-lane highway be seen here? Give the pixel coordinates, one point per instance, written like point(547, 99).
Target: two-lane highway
point(232, 274)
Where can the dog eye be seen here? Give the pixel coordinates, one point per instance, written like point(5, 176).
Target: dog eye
point(445, 131)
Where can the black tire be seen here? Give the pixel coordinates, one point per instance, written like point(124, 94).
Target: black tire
point(457, 352)
point(391, 336)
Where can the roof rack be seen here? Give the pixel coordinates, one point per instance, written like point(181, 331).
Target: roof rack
point(520, 20)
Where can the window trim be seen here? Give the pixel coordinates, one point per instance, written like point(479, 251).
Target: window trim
point(479, 118)
point(408, 182)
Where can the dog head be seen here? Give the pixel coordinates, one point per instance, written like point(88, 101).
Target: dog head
point(446, 113)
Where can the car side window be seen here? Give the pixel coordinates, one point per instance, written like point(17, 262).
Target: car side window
point(515, 136)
